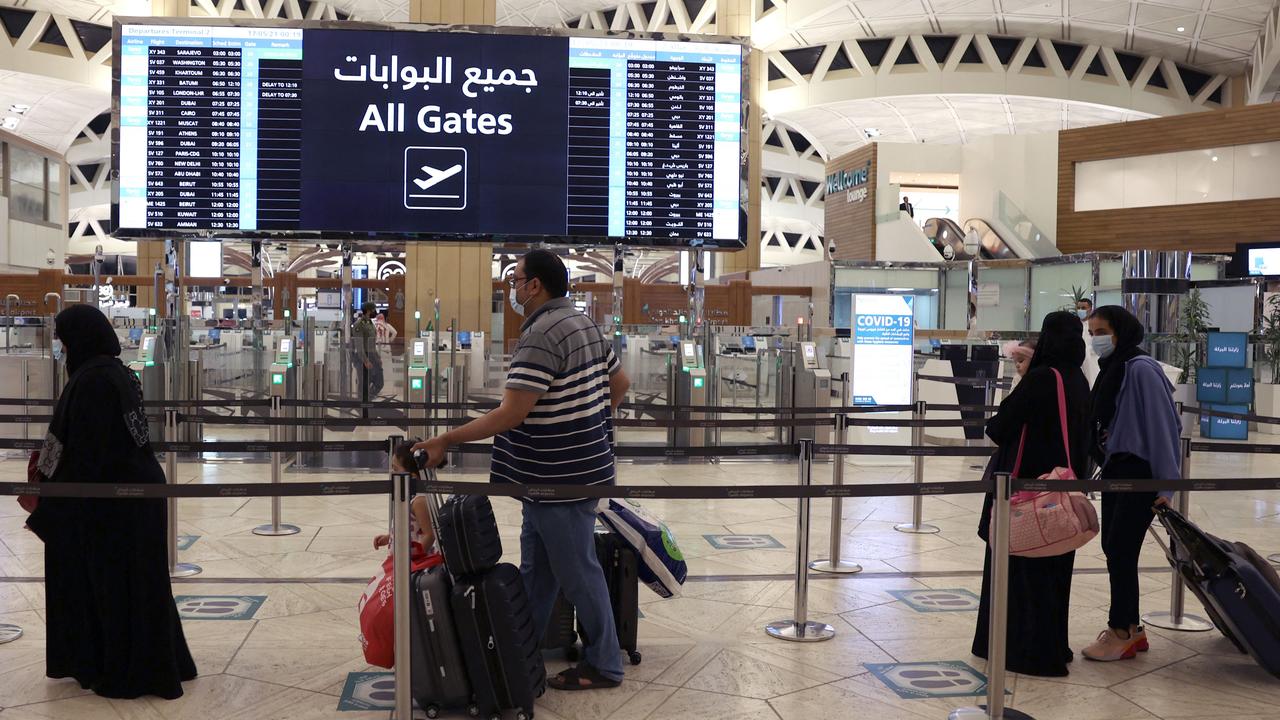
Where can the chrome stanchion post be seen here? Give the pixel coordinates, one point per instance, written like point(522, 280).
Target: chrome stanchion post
point(1176, 618)
point(276, 528)
point(800, 629)
point(998, 630)
point(176, 569)
point(835, 564)
point(401, 493)
point(917, 525)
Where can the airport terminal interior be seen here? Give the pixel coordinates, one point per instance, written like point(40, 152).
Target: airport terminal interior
point(822, 239)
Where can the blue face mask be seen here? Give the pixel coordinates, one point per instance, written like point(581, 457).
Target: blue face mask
point(1103, 345)
point(58, 352)
point(1082, 313)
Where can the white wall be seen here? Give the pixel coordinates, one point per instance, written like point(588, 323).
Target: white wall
point(816, 276)
point(901, 240)
point(1024, 167)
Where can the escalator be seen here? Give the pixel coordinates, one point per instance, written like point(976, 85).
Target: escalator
point(948, 238)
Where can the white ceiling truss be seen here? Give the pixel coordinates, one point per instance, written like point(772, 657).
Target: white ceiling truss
point(1264, 71)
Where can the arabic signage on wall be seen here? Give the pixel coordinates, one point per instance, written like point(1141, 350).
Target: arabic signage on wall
point(850, 210)
point(248, 129)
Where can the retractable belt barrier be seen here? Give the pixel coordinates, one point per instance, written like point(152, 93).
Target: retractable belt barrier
point(1148, 485)
point(975, 382)
point(1263, 419)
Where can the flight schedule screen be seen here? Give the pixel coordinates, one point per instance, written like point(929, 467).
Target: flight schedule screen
point(246, 130)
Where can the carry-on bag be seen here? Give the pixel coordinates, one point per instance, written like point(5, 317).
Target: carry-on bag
point(439, 675)
point(661, 564)
point(468, 535)
point(562, 632)
point(499, 643)
point(619, 562)
point(1239, 588)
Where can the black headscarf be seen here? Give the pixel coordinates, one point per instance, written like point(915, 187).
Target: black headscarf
point(85, 334)
point(1129, 333)
point(1061, 342)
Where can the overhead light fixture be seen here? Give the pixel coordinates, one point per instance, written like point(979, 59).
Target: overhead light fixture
point(19, 108)
point(1181, 29)
point(1215, 158)
point(10, 122)
point(871, 132)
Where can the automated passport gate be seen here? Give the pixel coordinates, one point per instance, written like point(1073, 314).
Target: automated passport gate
point(812, 389)
point(280, 377)
point(417, 383)
point(149, 366)
point(688, 387)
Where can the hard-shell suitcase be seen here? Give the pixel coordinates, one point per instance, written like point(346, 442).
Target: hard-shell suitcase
point(621, 568)
point(562, 633)
point(1239, 589)
point(499, 643)
point(468, 535)
point(438, 670)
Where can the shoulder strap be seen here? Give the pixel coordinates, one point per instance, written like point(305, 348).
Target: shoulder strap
point(1062, 416)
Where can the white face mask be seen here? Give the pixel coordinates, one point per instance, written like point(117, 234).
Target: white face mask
point(516, 305)
point(1103, 345)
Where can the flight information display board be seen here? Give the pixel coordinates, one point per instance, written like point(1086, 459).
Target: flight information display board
point(237, 130)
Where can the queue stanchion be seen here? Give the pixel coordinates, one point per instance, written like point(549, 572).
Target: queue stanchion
point(834, 564)
point(276, 528)
point(917, 526)
point(176, 569)
point(401, 494)
point(1177, 618)
point(997, 623)
point(800, 628)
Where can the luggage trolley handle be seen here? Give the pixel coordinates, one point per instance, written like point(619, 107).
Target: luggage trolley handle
point(1181, 533)
point(428, 476)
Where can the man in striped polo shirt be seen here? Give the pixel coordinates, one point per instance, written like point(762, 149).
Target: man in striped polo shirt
point(555, 427)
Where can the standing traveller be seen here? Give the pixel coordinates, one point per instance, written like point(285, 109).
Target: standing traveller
point(364, 336)
point(111, 620)
point(555, 427)
point(906, 206)
point(1028, 435)
point(1084, 308)
point(1136, 435)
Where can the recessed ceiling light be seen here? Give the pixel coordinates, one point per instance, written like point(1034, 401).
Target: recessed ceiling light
point(872, 132)
point(19, 108)
point(1181, 29)
point(10, 122)
point(1215, 158)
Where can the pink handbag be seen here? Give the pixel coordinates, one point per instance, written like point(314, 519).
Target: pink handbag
point(1046, 524)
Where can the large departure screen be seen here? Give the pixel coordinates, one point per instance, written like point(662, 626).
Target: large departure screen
point(246, 130)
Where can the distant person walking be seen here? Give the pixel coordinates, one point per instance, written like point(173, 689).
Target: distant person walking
point(364, 337)
point(906, 207)
point(112, 623)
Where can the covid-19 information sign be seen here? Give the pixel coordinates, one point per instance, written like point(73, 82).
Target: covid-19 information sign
point(883, 334)
point(243, 128)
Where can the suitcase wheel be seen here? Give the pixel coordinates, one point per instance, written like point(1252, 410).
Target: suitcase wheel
point(473, 710)
point(495, 716)
point(635, 657)
point(524, 715)
point(433, 712)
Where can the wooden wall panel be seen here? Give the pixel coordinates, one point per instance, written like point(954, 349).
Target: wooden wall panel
point(1204, 227)
point(851, 226)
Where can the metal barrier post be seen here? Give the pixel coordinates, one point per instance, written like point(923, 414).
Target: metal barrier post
point(401, 493)
point(176, 569)
point(800, 629)
point(999, 614)
point(1176, 619)
point(276, 528)
point(917, 525)
point(835, 564)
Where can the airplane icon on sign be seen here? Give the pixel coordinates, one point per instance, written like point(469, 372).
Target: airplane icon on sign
point(436, 176)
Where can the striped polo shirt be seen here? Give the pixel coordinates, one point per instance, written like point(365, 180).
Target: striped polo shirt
point(567, 439)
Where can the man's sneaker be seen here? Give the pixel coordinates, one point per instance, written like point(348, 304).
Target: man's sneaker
point(1139, 635)
point(1110, 647)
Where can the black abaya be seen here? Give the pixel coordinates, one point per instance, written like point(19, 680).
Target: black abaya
point(111, 619)
point(1039, 588)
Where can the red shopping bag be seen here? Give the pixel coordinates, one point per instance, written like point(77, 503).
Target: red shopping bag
point(377, 610)
point(29, 502)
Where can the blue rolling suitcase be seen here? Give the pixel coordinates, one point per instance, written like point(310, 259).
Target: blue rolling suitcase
point(1239, 589)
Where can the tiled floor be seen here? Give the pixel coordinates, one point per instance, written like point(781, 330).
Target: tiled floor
point(272, 621)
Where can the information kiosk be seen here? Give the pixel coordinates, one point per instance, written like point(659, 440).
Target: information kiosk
point(690, 388)
point(281, 386)
point(149, 366)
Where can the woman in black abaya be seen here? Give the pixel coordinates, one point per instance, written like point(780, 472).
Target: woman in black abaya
point(1039, 588)
point(112, 623)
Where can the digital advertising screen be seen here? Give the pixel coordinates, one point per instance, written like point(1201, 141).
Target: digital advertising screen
point(883, 337)
point(245, 129)
point(1264, 261)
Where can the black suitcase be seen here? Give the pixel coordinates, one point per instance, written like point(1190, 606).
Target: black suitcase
point(468, 535)
point(621, 568)
point(562, 633)
point(499, 643)
point(438, 670)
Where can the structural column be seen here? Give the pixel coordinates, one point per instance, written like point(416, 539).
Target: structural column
point(459, 274)
point(736, 17)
